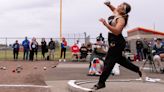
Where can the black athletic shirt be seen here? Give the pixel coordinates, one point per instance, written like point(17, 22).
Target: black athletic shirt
point(118, 40)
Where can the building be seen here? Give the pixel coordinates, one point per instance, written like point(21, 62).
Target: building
point(142, 33)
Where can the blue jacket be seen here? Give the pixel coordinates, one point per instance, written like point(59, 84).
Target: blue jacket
point(26, 44)
point(158, 50)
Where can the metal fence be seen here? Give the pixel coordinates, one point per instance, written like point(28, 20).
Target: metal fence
point(6, 50)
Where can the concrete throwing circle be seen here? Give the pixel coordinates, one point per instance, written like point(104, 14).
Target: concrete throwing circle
point(131, 85)
point(24, 88)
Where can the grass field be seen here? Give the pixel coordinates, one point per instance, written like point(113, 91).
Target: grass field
point(8, 55)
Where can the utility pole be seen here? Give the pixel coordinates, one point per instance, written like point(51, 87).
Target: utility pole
point(60, 19)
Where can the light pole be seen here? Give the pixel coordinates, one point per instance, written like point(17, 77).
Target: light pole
point(60, 19)
point(154, 26)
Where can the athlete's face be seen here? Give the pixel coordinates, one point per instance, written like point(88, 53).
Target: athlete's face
point(121, 8)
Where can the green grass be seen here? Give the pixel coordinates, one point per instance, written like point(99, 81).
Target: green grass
point(8, 55)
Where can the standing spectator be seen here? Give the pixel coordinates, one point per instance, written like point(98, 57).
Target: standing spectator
point(145, 49)
point(127, 47)
point(101, 38)
point(51, 46)
point(33, 49)
point(78, 43)
point(63, 49)
point(26, 48)
point(44, 47)
point(16, 50)
point(139, 48)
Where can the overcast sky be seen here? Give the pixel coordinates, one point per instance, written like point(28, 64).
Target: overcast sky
point(40, 18)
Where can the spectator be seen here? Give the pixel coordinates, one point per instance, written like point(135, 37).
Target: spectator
point(51, 46)
point(127, 47)
point(139, 48)
point(16, 50)
point(78, 43)
point(99, 48)
point(83, 52)
point(99, 42)
point(145, 49)
point(44, 47)
point(163, 42)
point(33, 49)
point(63, 49)
point(75, 51)
point(89, 47)
point(158, 52)
point(101, 38)
point(26, 48)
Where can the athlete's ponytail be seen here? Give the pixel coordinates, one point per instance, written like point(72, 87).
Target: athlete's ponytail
point(127, 9)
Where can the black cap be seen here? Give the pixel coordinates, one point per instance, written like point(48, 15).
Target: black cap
point(98, 39)
point(159, 39)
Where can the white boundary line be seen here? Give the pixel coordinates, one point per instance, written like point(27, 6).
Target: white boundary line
point(147, 68)
point(73, 84)
point(34, 86)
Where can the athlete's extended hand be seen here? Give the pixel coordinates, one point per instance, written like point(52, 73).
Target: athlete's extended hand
point(107, 3)
point(103, 21)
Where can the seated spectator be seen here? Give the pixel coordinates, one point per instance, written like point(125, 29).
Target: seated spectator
point(99, 47)
point(75, 51)
point(101, 38)
point(83, 52)
point(89, 47)
point(158, 53)
point(162, 55)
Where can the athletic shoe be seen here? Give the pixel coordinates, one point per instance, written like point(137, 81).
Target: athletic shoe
point(161, 70)
point(139, 79)
point(64, 60)
point(99, 86)
point(149, 79)
point(142, 75)
point(144, 60)
point(60, 60)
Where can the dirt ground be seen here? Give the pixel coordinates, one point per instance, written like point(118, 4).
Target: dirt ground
point(31, 73)
point(64, 72)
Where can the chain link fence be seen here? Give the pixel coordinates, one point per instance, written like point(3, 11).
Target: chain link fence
point(6, 50)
